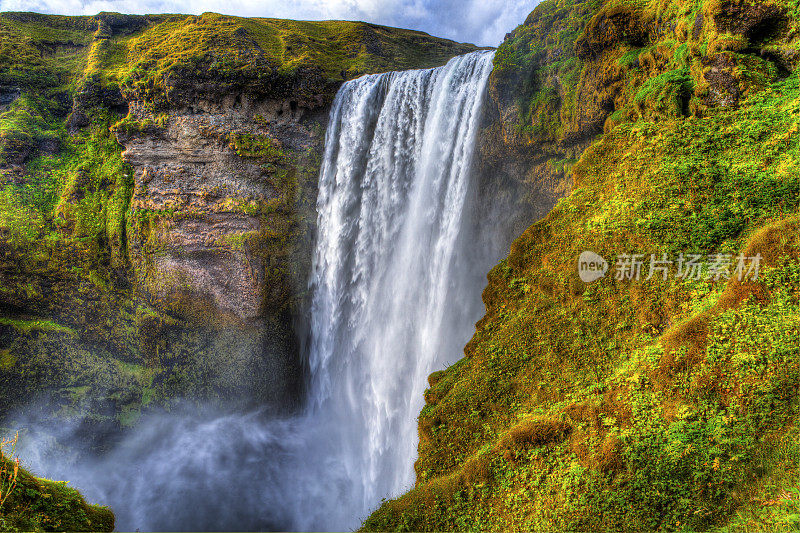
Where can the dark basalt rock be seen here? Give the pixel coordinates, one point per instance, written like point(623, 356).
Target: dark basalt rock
point(697, 27)
point(109, 24)
point(8, 95)
point(756, 21)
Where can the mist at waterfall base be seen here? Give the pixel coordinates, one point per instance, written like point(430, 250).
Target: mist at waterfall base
point(396, 282)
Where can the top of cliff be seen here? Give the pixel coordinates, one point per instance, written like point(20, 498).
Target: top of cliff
point(154, 57)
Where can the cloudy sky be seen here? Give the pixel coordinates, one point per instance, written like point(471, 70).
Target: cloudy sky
point(483, 22)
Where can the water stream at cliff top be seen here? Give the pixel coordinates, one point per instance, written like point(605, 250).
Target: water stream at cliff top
point(395, 284)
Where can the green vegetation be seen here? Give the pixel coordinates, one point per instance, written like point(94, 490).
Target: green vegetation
point(633, 405)
point(225, 45)
point(540, 70)
point(145, 55)
point(39, 51)
point(256, 146)
point(28, 503)
point(27, 326)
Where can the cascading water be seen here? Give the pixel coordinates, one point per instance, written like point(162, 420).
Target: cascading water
point(395, 295)
point(392, 192)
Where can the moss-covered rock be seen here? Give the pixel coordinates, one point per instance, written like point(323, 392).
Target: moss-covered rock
point(35, 504)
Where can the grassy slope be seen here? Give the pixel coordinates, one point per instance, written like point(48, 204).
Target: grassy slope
point(36, 504)
point(51, 58)
point(171, 41)
point(340, 49)
point(634, 405)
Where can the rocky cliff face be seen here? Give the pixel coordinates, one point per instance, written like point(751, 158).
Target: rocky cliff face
point(222, 206)
point(531, 134)
point(158, 178)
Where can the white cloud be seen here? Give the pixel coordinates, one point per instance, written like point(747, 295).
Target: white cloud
point(483, 22)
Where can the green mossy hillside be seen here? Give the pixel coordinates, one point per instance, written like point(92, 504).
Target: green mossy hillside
point(172, 60)
point(42, 51)
point(577, 68)
point(36, 504)
point(166, 60)
point(635, 404)
point(280, 58)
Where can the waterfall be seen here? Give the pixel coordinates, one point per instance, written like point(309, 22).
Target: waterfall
point(392, 192)
point(396, 281)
